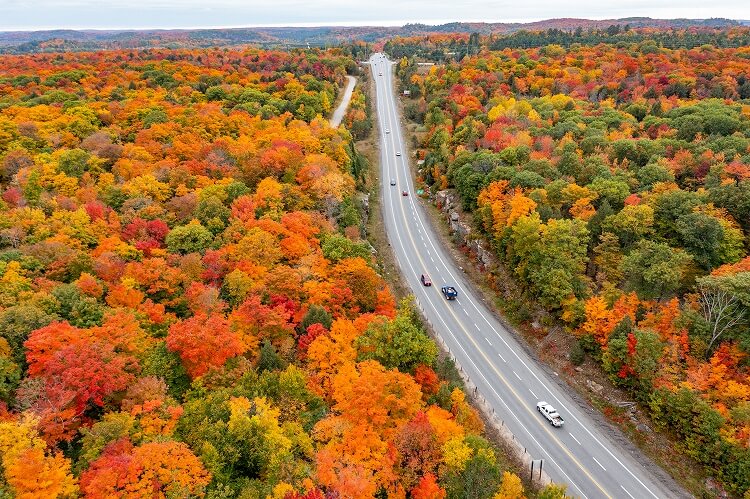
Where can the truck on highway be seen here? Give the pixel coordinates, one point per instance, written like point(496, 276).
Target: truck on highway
point(449, 292)
point(550, 413)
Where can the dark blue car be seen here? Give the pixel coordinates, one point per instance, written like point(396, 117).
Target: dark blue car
point(449, 292)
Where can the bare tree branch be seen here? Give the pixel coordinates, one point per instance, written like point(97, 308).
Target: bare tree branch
point(721, 310)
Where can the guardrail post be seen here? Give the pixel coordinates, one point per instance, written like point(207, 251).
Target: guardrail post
point(531, 473)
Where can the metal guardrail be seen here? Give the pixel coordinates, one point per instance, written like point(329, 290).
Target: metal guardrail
point(535, 466)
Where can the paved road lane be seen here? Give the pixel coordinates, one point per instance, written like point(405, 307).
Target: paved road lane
point(579, 454)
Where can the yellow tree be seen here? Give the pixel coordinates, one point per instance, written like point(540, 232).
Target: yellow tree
point(520, 206)
point(598, 318)
point(29, 470)
point(510, 488)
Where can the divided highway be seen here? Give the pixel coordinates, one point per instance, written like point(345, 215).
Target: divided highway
point(577, 454)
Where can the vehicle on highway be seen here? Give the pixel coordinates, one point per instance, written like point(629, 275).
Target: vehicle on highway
point(398, 153)
point(426, 281)
point(404, 193)
point(387, 130)
point(550, 413)
point(393, 181)
point(501, 368)
point(449, 292)
point(380, 74)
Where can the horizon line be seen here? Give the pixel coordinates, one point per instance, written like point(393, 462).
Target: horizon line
point(355, 24)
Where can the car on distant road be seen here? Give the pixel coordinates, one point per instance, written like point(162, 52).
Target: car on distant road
point(404, 193)
point(393, 181)
point(550, 413)
point(449, 292)
point(426, 281)
point(398, 153)
point(387, 130)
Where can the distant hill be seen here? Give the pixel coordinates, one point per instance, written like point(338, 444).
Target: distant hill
point(75, 40)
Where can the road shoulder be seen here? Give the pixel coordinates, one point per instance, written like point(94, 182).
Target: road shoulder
point(546, 351)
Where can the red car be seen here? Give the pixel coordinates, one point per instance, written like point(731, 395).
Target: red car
point(405, 193)
point(426, 281)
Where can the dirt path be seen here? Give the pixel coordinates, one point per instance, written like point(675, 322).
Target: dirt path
point(340, 111)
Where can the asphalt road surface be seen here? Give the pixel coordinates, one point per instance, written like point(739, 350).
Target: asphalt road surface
point(579, 453)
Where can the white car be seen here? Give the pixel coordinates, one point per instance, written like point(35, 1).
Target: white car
point(550, 413)
point(387, 130)
point(398, 153)
point(393, 181)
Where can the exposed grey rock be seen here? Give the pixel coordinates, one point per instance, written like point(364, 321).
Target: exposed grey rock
point(447, 201)
point(463, 230)
point(594, 386)
point(713, 486)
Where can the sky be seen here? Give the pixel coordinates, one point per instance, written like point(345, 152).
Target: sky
point(17, 15)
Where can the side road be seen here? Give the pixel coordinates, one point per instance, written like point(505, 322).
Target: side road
point(340, 111)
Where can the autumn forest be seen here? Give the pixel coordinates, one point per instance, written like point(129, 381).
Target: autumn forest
point(188, 307)
point(190, 304)
point(613, 184)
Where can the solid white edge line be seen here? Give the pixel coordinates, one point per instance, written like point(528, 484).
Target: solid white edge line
point(559, 402)
point(408, 262)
